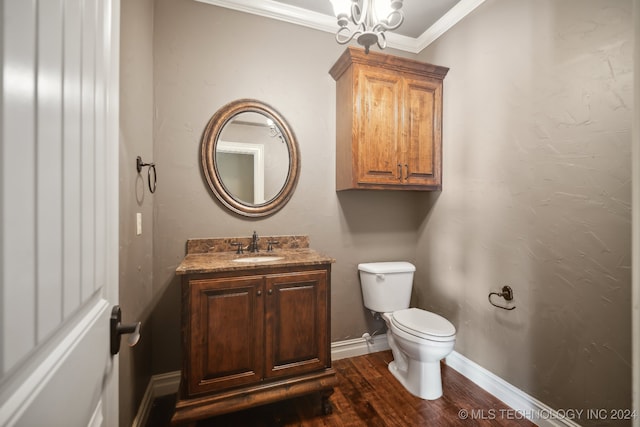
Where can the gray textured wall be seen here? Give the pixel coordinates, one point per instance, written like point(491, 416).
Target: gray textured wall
point(205, 57)
point(536, 182)
point(537, 195)
point(136, 139)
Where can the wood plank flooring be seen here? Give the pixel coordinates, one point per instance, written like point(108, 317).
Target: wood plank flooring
point(368, 395)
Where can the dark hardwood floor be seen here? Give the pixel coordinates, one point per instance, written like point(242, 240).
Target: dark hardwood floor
point(368, 395)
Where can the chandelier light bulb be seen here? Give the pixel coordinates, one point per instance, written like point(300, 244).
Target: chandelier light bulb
point(370, 19)
point(382, 9)
point(341, 7)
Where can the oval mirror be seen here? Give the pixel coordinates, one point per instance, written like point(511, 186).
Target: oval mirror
point(250, 158)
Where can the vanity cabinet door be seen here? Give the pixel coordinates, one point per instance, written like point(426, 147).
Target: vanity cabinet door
point(226, 339)
point(297, 323)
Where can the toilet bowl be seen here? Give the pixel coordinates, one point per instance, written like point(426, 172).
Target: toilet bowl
point(417, 354)
point(418, 339)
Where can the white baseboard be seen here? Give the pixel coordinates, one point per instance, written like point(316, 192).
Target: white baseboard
point(522, 404)
point(358, 347)
point(159, 385)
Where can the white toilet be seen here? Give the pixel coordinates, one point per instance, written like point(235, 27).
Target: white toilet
point(418, 339)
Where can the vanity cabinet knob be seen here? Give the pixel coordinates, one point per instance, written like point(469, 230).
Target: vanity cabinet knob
point(270, 292)
point(259, 293)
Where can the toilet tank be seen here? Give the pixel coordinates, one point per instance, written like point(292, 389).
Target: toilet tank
point(386, 286)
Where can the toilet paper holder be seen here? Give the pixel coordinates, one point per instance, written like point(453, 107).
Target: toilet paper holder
point(507, 294)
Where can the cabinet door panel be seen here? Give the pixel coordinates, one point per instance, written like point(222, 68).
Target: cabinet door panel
point(421, 149)
point(378, 134)
point(226, 333)
point(297, 323)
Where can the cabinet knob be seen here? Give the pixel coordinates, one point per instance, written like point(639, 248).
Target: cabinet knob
point(259, 293)
point(407, 168)
point(270, 292)
point(399, 172)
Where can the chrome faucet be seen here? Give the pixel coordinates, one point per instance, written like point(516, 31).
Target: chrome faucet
point(253, 246)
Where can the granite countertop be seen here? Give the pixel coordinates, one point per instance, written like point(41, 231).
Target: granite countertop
point(217, 255)
point(213, 262)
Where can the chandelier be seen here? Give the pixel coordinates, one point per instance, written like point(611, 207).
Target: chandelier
point(371, 19)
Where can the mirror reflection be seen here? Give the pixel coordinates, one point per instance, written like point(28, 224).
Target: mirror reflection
point(250, 158)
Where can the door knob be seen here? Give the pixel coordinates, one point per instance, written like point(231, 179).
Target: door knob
point(118, 329)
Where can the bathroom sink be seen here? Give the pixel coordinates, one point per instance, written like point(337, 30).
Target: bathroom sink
point(258, 259)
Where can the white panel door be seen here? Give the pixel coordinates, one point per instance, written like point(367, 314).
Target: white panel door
point(58, 211)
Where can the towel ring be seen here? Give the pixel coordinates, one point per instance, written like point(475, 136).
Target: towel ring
point(507, 294)
point(139, 165)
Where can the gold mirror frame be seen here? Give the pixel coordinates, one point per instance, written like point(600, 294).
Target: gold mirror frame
point(210, 140)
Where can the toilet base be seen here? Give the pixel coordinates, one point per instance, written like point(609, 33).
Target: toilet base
point(423, 380)
point(416, 363)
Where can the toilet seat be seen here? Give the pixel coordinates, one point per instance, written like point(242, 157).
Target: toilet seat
point(424, 324)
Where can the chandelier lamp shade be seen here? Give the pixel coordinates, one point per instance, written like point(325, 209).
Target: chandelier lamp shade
point(370, 19)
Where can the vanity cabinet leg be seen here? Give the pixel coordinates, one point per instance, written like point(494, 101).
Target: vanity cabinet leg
point(327, 408)
point(175, 423)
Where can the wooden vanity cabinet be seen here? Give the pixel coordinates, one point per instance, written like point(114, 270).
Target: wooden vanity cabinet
point(388, 122)
point(249, 328)
point(254, 337)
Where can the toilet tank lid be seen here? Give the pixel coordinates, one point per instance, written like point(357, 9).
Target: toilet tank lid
point(387, 267)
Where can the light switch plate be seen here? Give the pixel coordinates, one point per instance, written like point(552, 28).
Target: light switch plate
point(138, 223)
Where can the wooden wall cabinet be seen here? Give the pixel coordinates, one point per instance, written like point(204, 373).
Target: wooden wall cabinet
point(388, 122)
point(254, 336)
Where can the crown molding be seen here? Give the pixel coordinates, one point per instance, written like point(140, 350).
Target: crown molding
point(448, 20)
point(280, 11)
point(307, 18)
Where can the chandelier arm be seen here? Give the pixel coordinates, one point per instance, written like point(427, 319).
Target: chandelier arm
point(356, 14)
point(384, 24)
point(344, 35)
point(382, 37)
point(396, 14)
